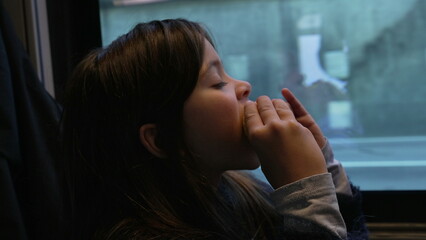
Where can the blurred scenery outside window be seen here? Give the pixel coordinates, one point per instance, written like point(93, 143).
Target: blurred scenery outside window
point(358, 66)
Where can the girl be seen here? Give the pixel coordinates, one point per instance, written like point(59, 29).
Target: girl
point(155, 131)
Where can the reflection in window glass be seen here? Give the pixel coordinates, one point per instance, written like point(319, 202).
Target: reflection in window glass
point(358, 66)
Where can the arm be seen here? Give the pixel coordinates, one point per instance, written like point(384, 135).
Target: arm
point(287, 150)
point(294, 165)
point(294, 197)
point(310, 207)
point(334, 167)
point(349, 197)
point(340, 180)
point(311, 203)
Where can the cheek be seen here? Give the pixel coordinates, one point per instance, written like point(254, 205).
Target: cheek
point(212, 120)
point(214, 133)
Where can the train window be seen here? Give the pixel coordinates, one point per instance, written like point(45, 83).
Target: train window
point(358, 66)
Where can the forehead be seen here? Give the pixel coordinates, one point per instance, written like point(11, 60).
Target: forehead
point(210, 56)
point(208, 48)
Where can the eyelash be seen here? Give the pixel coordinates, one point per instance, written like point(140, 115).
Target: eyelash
point(220, 85)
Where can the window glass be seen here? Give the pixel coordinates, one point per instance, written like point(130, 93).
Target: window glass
point(358, 66)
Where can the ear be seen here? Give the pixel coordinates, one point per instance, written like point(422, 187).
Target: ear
point(147, 135)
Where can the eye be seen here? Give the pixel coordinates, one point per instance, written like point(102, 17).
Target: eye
point(220, 85)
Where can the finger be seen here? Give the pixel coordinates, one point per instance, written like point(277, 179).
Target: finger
point(252, 118)
point(297, 107)
point(266, 109)
point(283, 109)
point(303, 116)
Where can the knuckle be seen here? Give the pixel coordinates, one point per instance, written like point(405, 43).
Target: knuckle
point(248, 116)
point(281, 105)
point(264, 108)
point(255, 135)
point(276, 124)
point(278, 101)
point(293, 125)
point(282, 111)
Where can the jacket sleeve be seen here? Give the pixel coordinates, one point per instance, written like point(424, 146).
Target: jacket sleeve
point(326, 206)
point(349, 197)
point(309, 207)
point(340, 180)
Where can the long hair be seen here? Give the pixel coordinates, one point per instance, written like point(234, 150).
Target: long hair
point(118, 189)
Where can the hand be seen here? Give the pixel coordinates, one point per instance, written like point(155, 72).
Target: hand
point(287, 150)
point(303, 117)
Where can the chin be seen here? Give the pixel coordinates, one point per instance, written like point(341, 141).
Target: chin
point(251, 163)
point(254, 166)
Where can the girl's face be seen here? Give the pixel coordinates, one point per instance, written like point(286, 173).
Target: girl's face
point(213, 120)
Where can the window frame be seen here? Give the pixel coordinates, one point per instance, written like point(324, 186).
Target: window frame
point(73, 37)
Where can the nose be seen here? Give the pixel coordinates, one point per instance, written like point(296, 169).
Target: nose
point(243, 89)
